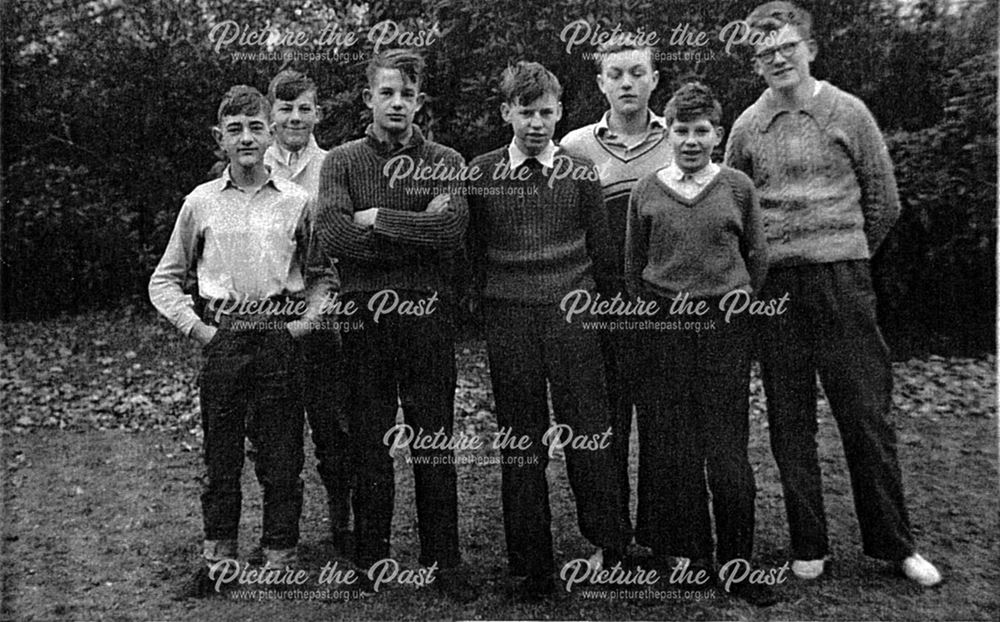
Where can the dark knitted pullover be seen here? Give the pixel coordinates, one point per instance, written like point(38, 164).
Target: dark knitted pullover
point(408, 248)
point(534, 241)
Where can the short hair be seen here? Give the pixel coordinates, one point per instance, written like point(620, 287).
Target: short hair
point(607, 49)
point(408, 62)
point(693, 101)
point(243, 99)
point(775, 15)
point(288, 85)
point(527, 81)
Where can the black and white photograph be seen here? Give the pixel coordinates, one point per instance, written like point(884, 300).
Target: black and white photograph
point(511, 310)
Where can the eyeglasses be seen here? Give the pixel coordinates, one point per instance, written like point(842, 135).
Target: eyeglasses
point(785, 49)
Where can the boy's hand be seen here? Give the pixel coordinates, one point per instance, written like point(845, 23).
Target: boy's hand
point(203, 333)
point(439, 203)
point(366, 217)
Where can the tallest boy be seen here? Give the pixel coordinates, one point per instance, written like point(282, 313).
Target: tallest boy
point(829, 199)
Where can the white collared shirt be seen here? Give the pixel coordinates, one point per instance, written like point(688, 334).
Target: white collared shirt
point(656, 127)
point(304, 170)
point(517, 157)
point(688, 185)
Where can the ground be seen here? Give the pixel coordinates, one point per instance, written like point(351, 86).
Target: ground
point(101, 520)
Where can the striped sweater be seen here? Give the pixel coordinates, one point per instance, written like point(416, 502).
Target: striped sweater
point(823, 174)
point(619, 174)
point(408, 248)
point(534, 241)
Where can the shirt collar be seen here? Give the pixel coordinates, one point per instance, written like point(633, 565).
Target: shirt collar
point(819, 106)
point(699, 177)
point(517, 157)
point(382, 148)
point(653, 122)
point(225, 180)
point(285, 156)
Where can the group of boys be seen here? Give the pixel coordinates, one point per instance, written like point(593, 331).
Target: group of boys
point(805, 198)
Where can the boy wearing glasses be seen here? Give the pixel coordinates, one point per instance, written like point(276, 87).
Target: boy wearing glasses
point(829, 199)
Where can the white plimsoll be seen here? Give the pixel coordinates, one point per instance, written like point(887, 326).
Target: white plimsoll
point(918, 569)
point(808, 569)
point(596, 561)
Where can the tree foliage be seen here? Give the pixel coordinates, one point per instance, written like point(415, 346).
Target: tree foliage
point(107, 106)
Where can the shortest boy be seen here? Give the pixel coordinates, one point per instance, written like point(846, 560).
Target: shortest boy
point(694, 235)
point(536, 236)
point(246, 237)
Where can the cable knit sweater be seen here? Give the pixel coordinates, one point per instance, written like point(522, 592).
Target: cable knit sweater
point(823, 175)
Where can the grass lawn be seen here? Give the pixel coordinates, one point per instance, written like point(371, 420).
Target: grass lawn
point(101, 518)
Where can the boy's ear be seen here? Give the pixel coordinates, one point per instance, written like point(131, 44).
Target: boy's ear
point(505, 112)
point(366, 96)
point(720, 132)
point(421, 98)
point(656, 79)
point(813, 49)
point(217, 134)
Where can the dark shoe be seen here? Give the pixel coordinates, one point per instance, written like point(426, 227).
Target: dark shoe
point(198, 585)
point(756, 594)
point(455, 584)
point(535, 588)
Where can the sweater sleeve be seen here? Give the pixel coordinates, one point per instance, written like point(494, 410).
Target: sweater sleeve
point(873, 169)
point(321, 276)
point(737, 155)
point(478, 240)
point(753, 244)
point(599, 245)
point(443, 230)
point(337, 233)
point(636, 242)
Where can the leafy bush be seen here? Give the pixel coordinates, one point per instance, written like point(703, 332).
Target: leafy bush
point(107, 107)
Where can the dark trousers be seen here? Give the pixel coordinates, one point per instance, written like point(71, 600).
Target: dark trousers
point(830, 328)
point(620, 367)
point(249, 387)
point(697, 423)
point(404, 360)
point(529, 345)
point(323, 397)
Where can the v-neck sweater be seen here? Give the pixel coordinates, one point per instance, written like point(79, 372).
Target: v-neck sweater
point(705, 246)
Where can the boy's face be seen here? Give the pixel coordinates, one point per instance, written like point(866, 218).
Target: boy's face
point(534, 123)
point(244, 138)
point(783, 58)
point(393, 99)
point(294, 120)
point(627, 79)
point(693, 143)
